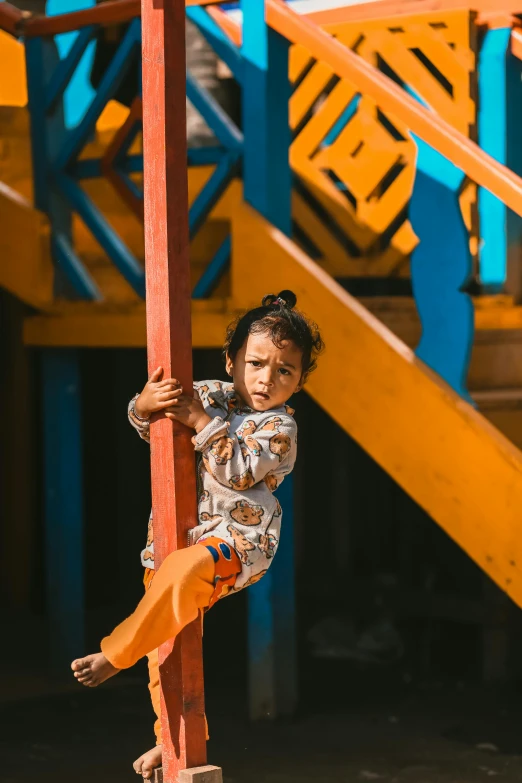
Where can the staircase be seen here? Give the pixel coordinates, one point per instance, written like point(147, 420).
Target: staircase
point(443, 451)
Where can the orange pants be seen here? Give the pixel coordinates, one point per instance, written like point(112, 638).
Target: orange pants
point(188, 581)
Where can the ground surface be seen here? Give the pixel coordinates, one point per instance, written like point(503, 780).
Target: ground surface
point(432, 734)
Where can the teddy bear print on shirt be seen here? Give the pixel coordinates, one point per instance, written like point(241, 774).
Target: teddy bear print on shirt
point(280, 444)
point(241, 544)
point(245, 435)
point(242, 482)
point(267, 545)
point(222, 449)
point(245, 514)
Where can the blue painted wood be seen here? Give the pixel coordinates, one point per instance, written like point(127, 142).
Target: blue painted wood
point(499, 122)
point(79, 92)
point(266, 92)
point(441, 266)
point(214, 271)
point(65, 70)
point(220, 43)
point(267, 183)
point(63, 504)
point(90, 168)
point(211, 192)
point(47, 135)
point(68, 260)
point(101, 229)
point(342, 122)
point(272, 627)
point(226, 132)
point(113, 77)
point(205, 156)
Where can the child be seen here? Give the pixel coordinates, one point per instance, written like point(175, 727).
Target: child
point(246, 438)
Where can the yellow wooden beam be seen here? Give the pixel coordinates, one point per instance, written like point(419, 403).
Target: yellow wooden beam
point(26, 269)
point(451, 461)
point(89, 325)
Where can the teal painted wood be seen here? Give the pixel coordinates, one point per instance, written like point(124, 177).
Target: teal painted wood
point(78, 91)
point(499, 123)
point(63, 505)
point(272, 626)
point(441, 266)
point(267, 187)
point(265, 95)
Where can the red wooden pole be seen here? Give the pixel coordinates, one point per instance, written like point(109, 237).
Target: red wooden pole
point(169, 346)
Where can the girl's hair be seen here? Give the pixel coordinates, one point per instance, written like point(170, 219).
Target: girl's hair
point(277, 318)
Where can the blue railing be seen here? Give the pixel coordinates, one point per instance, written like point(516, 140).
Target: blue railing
point(60, 169)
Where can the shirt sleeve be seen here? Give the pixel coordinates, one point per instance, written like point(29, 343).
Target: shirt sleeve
point(141, 427)
point(239, 461)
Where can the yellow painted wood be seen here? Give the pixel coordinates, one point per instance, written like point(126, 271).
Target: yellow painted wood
point(26, 269)
point(365, 155)
point(89, 325)
point(13, 84)
point(458, 467)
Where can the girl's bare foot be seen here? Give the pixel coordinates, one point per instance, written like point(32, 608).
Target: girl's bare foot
point(93, 669)
point(146, 764)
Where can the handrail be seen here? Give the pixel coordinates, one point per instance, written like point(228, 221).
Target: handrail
point(24, 24)
point(10, 18)
point(380, 9)
point(440, 135)
point(108, 13)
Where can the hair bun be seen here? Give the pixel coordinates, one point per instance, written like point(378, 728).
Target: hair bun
point(285, 298)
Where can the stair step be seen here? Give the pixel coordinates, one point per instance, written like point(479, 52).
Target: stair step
point(498, 399)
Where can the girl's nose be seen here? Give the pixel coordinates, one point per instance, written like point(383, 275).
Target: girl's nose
point(267, 377)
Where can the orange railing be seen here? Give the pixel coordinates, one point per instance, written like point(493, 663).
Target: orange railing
point(429, 127)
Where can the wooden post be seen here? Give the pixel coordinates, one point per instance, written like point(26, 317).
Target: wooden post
point(169, 346)
point(63, 476)
point(268, 187)
point(499, 119)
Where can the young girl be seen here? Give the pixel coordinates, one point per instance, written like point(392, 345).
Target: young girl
point(246, 438)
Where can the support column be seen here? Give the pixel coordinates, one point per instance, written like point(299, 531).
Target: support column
point(266, 92)
point(63, 498)
point(499, 118)
point(267, 179)
point(272, 626)
point(169, 345)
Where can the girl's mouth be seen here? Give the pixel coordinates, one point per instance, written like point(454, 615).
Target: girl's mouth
point(261, 396)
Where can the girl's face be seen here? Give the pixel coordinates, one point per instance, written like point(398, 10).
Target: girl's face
point(264, 375)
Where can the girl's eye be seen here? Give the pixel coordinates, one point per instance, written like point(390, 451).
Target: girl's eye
point(255, 364)
point(284, 371)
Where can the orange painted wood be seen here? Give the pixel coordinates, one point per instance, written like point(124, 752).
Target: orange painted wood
point(10, 18)
point(169, 346)
point(479, 166)
point(382, 8)
point(228, 25)
point(516, 44)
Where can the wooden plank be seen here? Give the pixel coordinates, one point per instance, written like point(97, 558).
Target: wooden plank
point(95, 327)
point(169, 346)
point(450, 460)
point(26, 269)
point(383, 8)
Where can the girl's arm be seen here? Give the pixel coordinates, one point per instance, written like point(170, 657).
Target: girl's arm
point(142, 426)
point(242, 460)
